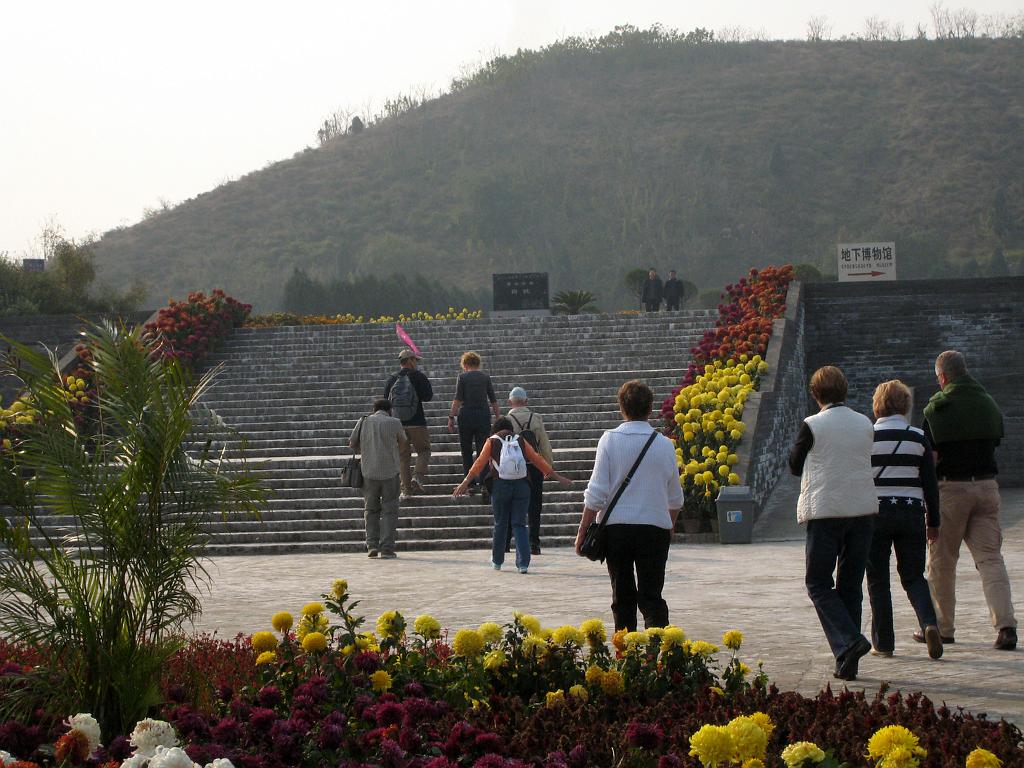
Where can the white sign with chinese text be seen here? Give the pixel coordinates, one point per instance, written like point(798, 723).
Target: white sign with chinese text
point(866, 261)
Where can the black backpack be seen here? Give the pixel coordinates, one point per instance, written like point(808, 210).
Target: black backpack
point(404, 400)
point(526, 433)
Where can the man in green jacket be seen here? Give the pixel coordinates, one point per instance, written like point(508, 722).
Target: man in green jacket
point(964, 424)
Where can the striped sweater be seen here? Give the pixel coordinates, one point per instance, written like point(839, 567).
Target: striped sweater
point(904, 467)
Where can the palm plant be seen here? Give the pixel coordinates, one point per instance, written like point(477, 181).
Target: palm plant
point(573, 302)
point(107, 602)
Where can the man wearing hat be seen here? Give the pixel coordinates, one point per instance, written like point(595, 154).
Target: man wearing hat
point(531, 426)
point(407, 399)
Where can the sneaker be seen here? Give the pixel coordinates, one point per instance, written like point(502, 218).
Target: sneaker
point(388, 555)
point(417, 486)
point(372, 553)
point(1006, 640)
point(934, 641)
point(495, 566)
point(524, 570)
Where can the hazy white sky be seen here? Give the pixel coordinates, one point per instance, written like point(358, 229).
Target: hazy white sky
point(107, 107)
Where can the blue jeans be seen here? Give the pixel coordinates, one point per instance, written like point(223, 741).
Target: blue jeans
point(510, 500)
point(900, 527)
point(838, 544)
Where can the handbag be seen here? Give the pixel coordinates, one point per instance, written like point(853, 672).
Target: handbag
point(594, 544)
point(352, 468)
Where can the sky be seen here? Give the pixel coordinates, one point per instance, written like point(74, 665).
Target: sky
point(108, 108)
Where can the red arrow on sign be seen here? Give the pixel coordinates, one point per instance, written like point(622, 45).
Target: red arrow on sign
point(862, 274)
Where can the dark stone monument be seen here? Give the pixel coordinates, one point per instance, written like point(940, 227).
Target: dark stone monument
point(522, 293)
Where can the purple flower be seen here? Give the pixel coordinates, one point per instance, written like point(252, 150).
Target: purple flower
point(415, 689)
point(335, 717)
point(285, 736)
point(555, 760)
point(488, 742)
point(226, 693)
point(120, 748)
point(578, 756)
point(331, 736)
point(669, 761)
point(391, 755)
point(227, 730)
point(367, 661)
point(645, 735)
point(262, 719)
point(440, 762)
point(389, 713)
point(269, 696)
point(490, 761)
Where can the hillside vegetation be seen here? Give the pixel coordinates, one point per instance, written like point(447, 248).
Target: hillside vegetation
point(592, 157)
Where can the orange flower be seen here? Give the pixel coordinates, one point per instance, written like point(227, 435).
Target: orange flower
point(72, 747)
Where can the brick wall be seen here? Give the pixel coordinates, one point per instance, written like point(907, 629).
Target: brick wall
point(58, 332)
point(881, 331)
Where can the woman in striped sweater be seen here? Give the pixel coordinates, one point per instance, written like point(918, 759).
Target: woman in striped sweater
point(908, 517)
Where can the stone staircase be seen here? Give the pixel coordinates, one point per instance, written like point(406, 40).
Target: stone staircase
point(293, 395)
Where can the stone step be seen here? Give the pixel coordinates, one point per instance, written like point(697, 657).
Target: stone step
point(420, 545)
point(342, 424)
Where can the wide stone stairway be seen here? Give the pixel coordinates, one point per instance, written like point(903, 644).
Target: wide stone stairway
point(294, 394)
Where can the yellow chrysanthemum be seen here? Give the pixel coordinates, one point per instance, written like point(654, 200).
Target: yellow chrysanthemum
point(594, 675)
point(748, 739)
point(753, 763)
point(611, 682)
point(388, 624)
point(365, 641)
point(702, 648)
point(732, 639)
point(314, 642)
point(982, 758)
point(311, 622)
point(348, 650)
point(579, 692)
point(380, 681)
point(545, 633)
point(634, 640)
point(263, 641)
point(796, 754)
point(468, 643)
point(593, 630)
point(267, 657)
point(313, 608)
point(891, 737)
point(282, 621)
point(495, 659)
point(530, 623)
point(555, 699)
point(534, 646)
point(490, 632)
point(658, 632)
point(567, 634)
point(712, 745)
point(339, 589)
point(764, 722)
point(427, 627)
point(900, 757)
point(673, 637)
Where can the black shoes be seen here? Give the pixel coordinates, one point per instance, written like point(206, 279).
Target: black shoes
point(1006, 640)
point(372, 553)
point(919, 637)
point(535, 549)
point(846, 664)
point(933, 641)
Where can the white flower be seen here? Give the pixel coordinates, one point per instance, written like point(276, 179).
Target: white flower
point(86, 724)
point(173, 757)
point(150, 734)
point(220, 762)
point(6, 758)
point(135, 761)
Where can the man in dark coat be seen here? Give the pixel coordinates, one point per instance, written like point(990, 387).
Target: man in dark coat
point(673, 292)
point(652, 292)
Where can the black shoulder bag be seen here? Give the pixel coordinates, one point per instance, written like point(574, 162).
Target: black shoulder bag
point(593, 540)
point(351, 468)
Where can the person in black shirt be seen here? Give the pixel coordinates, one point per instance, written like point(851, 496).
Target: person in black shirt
point(673, 292)
point(652, 292)
point(418, 437)
point(964, 424)
point(474, 398)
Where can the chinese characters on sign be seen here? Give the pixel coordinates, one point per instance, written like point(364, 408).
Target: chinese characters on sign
point(520, 291)
point(866, 261)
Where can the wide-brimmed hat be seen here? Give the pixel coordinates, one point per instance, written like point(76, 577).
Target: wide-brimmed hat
point(408, 354)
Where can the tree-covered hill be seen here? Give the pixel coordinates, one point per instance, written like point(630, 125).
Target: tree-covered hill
point(592, 157)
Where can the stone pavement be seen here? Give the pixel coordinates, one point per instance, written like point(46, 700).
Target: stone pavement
point(756, 588)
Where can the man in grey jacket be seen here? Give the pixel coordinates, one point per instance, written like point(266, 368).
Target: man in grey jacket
point(380, 438)
point(525, 419)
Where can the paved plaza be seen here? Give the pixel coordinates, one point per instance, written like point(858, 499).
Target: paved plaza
point(756, 588)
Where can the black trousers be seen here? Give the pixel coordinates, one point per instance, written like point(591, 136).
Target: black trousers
point(671, 305)
point(652, 306)
point(899, 527)
point(536, 478)
point(636, 556)
point(474, 429)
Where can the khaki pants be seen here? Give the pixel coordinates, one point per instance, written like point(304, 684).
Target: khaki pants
point(970, 514)
point(418, 438)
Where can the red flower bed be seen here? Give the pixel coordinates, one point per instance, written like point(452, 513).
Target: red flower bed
point(190, 329)
point(744, 323)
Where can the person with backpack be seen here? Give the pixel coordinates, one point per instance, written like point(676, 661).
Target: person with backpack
point(472, 407)
point(408, 390)
point(530, 426)
point(507, 454)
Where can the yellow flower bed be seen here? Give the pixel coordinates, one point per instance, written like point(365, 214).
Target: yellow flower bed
point(278, 319)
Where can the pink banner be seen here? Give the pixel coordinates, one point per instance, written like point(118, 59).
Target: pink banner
point(400, 332)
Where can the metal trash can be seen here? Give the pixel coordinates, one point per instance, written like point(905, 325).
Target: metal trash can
point(736, 513)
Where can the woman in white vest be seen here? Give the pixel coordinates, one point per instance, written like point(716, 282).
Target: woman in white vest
point(832, 455)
